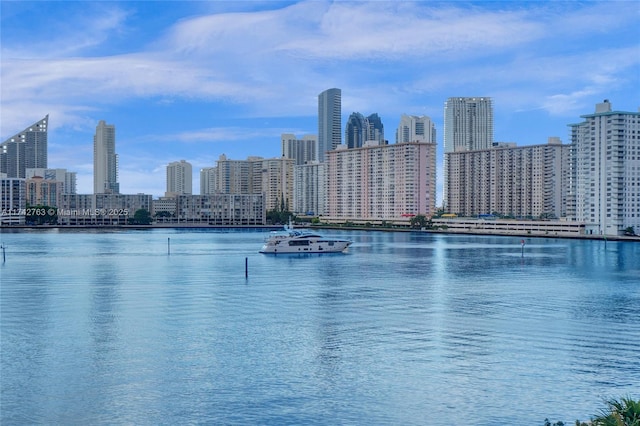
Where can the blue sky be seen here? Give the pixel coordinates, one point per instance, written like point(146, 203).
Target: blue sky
point(194, 80)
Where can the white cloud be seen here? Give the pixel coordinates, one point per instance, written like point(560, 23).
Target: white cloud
point(567, 104)
point(392, 56)
point(79, 30)
point(353, 30)
point(213, 135)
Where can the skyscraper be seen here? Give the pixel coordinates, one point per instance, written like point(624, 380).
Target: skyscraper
point(27, 149)
point(355, 131)
point(375, 129)
point(468, 126)
point(360, 129)
point(179, 178)
point(415, 129)
point(310, 188)
point(329, 121)
point(105, 160)
point(237, 176)
point(208, 180)
point(277, 183)
point(607, 170)
point(302, 150)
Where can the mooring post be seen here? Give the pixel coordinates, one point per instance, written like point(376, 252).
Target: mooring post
point(3, 255)
point(522, 249)
point(246, 267)
point(168, 245)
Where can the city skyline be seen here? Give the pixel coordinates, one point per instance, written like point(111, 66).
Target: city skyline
point(193, 83)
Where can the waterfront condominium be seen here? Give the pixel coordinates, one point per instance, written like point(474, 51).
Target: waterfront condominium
point(179, 178)
point(105, 160)
point(381, 182)
point(528, 182)
point(415, 129)
point(329, 121)
point(468, 126)
point(607, 170)
point(80, 209)
point(27, 149)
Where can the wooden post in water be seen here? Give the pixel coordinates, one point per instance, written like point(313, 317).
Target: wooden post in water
point(168, 245)
point(522, 249)
point(3, 255)
point(246, 267)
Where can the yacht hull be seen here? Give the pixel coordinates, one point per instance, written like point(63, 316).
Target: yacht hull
point(302, 241)
point(294, 246)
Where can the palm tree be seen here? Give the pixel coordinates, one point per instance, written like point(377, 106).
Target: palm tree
point(625, 412)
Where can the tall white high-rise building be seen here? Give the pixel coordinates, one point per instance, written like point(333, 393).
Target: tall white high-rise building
point(301, 150)
point(179, 178)
point(310, 189)
point(105, 160)
point(607, 170)
point(468, 126)
point(329, 121)
point(208, 180)
point(414, 128)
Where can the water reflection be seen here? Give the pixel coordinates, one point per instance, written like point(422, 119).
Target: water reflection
point(404, 328)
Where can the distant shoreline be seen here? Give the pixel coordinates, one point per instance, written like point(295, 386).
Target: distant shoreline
point(18, 228)
point(494, 233)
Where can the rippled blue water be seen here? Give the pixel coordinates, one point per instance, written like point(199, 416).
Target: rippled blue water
point(405, 328)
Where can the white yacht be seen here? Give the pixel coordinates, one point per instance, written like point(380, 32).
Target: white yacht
point(302, 241)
